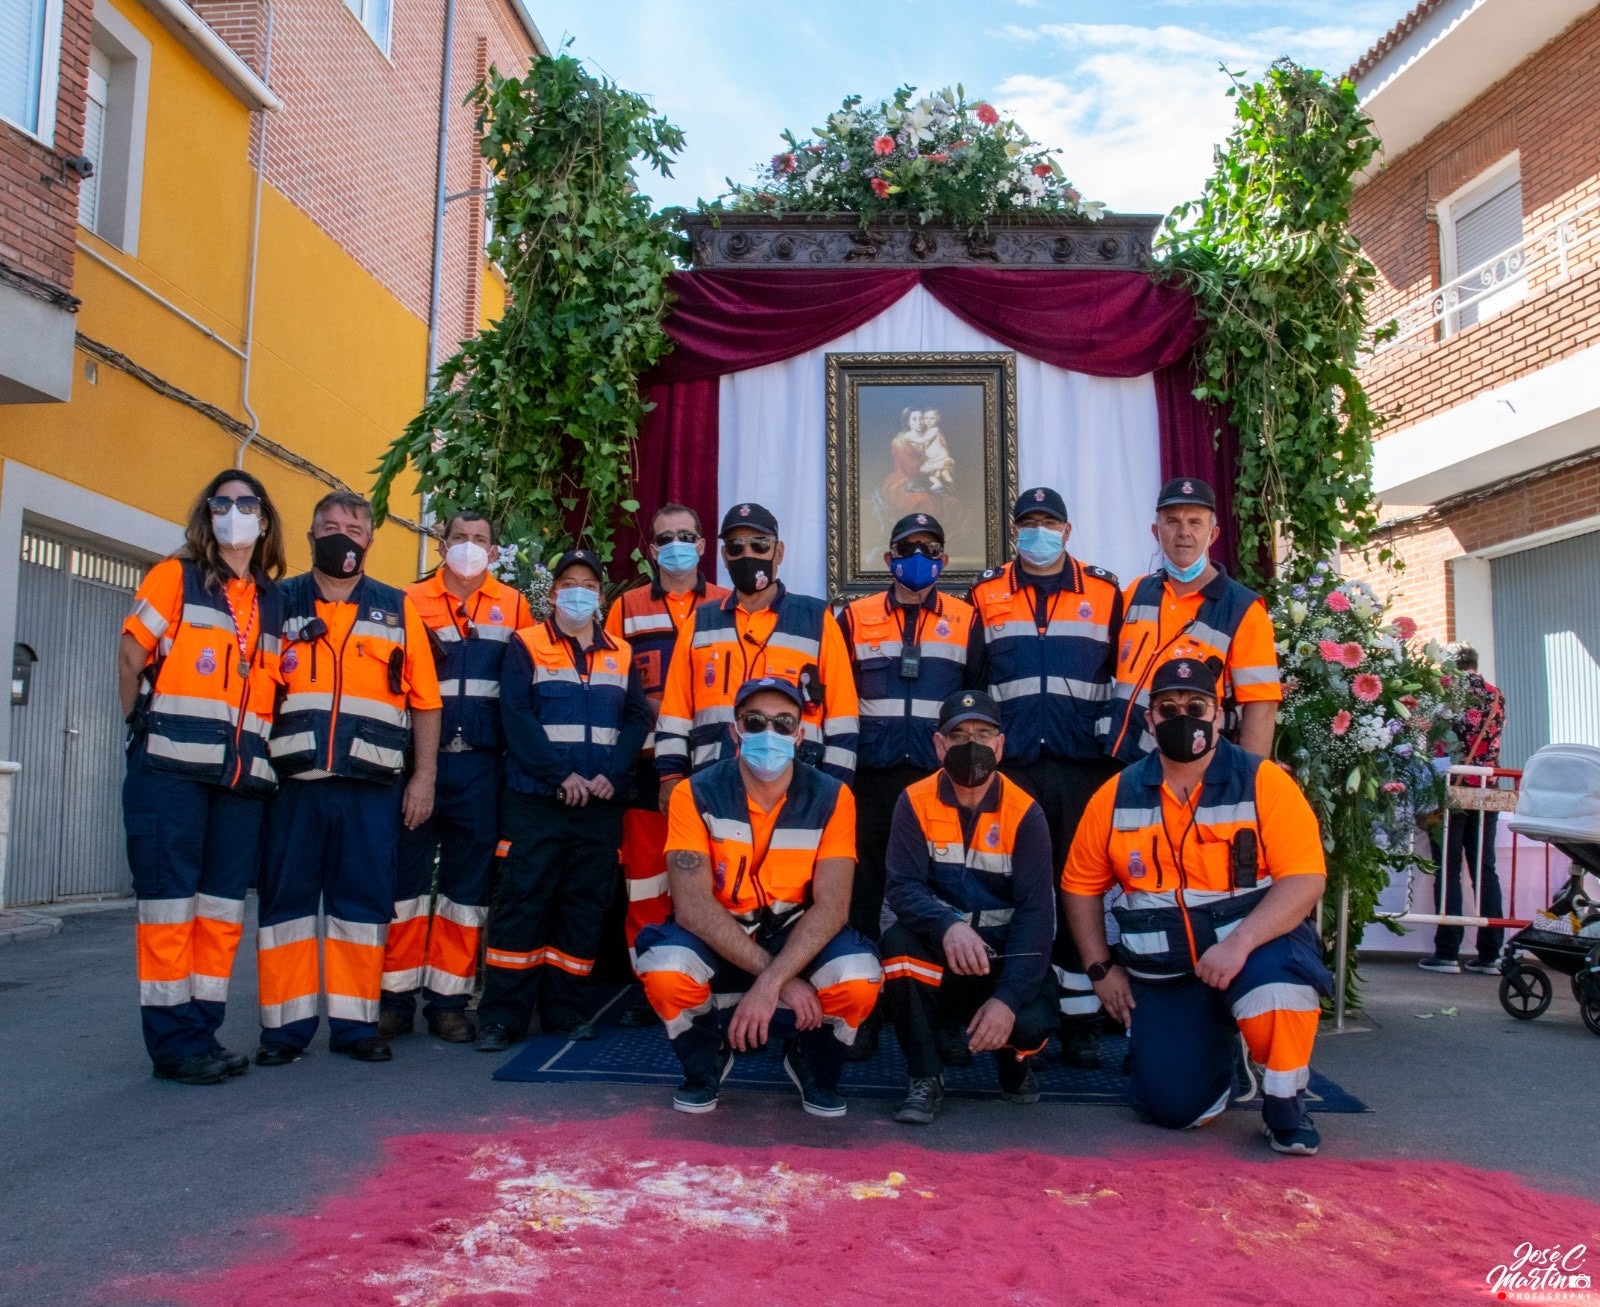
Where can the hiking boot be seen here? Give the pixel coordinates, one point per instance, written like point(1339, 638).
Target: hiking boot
point(817, 1099)
point(451, 1026)
point(1019, 1082)
point(392, 1023)
point(1301, 1142)
point(494, 1039)
point(698, 1097)
point(1080, 1043)
point(922, 1102)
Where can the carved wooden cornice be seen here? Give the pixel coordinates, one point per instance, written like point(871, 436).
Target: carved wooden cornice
point(756, 240)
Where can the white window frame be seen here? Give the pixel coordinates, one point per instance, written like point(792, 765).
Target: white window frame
point(123, 142)
point(361, 11)
point(44, 131)
point(1492, 179)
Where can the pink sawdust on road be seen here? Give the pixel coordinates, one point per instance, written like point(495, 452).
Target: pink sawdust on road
point(609, 1212)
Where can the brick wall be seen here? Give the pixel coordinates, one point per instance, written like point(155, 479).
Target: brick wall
point(355, 146)
point(39, 219)
point(1422, 590)
point(1548, 109)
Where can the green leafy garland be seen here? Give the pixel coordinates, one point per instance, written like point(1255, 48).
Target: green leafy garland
point(1282, 285)
point(533, 422)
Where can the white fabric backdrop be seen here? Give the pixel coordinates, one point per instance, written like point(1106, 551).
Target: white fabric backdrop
point(1095, 439)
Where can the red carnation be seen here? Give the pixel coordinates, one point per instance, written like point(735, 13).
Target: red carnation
point(883, 145)
point(987, 115)
point(1041, 170)
point(880, 188)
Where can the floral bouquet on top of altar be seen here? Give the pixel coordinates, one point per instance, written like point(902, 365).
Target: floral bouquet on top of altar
point(1364, 713)
point(937, 158)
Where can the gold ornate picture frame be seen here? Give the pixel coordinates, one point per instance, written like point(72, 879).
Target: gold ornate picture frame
point(918, 433)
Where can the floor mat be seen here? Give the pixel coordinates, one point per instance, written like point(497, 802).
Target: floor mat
point(620, 1055)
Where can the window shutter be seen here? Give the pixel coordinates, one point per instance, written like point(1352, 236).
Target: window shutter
point(21, 60)
point(94, 138)
point(1490, 227)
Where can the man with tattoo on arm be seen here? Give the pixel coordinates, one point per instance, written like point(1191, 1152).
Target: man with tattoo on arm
point(760, 857)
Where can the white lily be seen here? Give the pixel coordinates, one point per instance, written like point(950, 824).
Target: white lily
point(1093, 210)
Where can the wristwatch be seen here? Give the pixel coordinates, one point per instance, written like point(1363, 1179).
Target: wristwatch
point(1096, 971)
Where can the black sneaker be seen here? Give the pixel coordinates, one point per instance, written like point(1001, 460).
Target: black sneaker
point(237, 1063)
point(201, 1069)
point(494, 1039)
point(698, 1097)
point(1080, 1043)
point(1478, 967)
point(1019, 1082)
point(278, 1054)
point(1449, 966)
point(817, 1100)
point(369, 1048)
point(1302, 1142)
point(922, 1101)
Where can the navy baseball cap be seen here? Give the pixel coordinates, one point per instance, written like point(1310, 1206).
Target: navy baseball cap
point(1187, 672)
point(967, 706)
point(754, 516)
point(579, 558)
point(915, 523)
point(1187, 490)
point(1041, 499)
point(776, 684)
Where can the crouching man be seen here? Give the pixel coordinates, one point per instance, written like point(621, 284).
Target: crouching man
point(969, 884)
point(1220, 859)
point(760, 857)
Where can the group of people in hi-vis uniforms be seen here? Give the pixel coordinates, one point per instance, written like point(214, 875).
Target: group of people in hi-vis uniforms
point(908, 812)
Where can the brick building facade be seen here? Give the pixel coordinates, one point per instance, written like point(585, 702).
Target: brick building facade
point(1483, 219)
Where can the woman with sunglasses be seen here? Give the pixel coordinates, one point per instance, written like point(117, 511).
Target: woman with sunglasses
point(198, 675)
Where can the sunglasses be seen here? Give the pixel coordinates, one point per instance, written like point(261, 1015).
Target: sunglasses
point(1194, 708)
point(760, 546)
point(784, 723)
point(927, 548)
point(249, 505)
point(664, 538)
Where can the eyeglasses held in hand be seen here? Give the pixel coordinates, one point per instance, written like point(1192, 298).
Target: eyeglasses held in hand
point(760, 546)
point(249, 505)
point(664, 538)
point(784, 723)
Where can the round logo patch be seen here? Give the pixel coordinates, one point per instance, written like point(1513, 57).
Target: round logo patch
point(1136, 867)
point(711, 671)
point(1085, 611)
point(495, 615)
point(206, 663)
point(720, 876)
point(376, 614)
point(1127, 648)
point(992, 839)
point(611, 664)
point(1199, 745)
point(943, 629)
point(1039, 496)
point(291, 660)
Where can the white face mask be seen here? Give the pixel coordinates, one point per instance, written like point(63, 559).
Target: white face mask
point(233, 528)
point(467, 559)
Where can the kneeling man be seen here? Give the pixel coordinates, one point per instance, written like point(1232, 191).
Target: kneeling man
point(760, 857)
point(969, 884)
point(1220, 861)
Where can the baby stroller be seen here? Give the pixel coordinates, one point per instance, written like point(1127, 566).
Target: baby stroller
point(1560, 805)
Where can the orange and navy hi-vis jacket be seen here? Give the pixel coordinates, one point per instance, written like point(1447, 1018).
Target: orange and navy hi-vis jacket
point(649, 617)
point(898, 716)
point(468, 638)
point(1216, 621)
point(763, 887)
point(1051, 677)
point(344, 707)
point(974, 882)
point(720, 649)
point(205, 720)
point(1190, 874)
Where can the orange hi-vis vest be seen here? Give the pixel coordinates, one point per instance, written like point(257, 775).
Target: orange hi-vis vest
point(468, 639)
point(768, 889)
point(648, 624)
point(211, 705)
point(1183, 891)
point(974, 880)
point(343, 711)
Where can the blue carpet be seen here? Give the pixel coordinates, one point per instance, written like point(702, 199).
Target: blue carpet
point(644, 1057)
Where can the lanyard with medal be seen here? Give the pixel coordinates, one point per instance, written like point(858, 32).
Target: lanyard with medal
point(242, 634)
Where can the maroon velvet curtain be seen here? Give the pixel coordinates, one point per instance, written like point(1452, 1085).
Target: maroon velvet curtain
point(1105, 324)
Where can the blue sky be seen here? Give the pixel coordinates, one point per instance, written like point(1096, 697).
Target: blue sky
point(1129, 90)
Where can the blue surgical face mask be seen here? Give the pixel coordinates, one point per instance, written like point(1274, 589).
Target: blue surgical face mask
point(677, 558)
point(1041, 545)
point(1183, 574)
point(577, 604)
point(767, 753)
point(917, 572)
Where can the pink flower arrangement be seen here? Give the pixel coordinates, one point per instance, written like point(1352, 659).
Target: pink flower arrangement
point(880, 188)
point(1404, 627)
point(1341, 722)
point(1339, 601)
point(782, 163)
point(1366, 687)
point(987, 115)
point(1331, 651)
point(883, 145)
point(1351, 654)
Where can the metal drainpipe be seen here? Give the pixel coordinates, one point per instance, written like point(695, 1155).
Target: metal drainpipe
point(437, 274)
point(255, 256)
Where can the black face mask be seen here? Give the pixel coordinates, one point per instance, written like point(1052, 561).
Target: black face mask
point(970, 763)
point(1184, 738)
point(337, 556)
point(751, 575)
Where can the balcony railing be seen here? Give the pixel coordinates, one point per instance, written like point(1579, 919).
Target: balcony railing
point(1544, 258)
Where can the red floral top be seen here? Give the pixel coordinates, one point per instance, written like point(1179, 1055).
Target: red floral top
point(1479, 726)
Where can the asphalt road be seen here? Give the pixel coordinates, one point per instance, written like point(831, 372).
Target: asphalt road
point(108, 1172)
